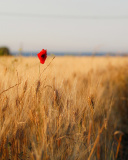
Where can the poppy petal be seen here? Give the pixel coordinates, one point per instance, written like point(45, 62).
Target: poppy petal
point(42, 55)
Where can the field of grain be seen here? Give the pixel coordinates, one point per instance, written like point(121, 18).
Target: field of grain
point(70, 108)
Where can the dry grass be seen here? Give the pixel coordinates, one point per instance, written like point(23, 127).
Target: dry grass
point(74, 109)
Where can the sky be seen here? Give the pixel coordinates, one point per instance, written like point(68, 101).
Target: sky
point(64, 25)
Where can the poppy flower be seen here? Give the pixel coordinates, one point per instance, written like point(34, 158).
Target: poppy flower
point(42, 55)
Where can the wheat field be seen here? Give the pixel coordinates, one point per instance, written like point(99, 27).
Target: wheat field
point(70, 108)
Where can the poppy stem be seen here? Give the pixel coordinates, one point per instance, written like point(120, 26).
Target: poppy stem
point(39, 70)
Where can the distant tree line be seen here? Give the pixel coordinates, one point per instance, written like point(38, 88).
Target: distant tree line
point(4, 51)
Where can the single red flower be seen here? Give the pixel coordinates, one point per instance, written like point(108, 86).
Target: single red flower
point(42, 55)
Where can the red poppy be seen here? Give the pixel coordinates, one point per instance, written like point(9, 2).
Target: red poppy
point(42, 56)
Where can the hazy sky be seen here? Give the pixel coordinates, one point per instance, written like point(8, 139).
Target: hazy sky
point(67, 32)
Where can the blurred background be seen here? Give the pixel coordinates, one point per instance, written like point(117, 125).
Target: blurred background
point(64, 27)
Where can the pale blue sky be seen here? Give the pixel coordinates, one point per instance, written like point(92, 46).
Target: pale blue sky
point(64, 34)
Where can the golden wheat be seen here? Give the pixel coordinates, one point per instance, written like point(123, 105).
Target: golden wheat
point(68, 108)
